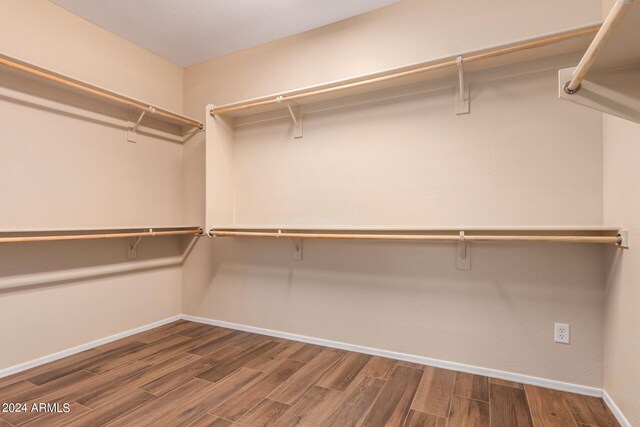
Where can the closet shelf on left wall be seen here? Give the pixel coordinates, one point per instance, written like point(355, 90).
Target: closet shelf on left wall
point(41, 235)
point(10, 64)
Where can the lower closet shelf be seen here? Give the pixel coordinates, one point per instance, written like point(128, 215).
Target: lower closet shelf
point(41, 235)
point(580, 234)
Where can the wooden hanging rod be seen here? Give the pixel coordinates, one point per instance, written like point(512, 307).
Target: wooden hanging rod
point(450, 62)
point(608, 240)
point(590, 56)
point(87, 88)
point(51, 237)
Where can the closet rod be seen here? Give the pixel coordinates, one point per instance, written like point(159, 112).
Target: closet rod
point(609, 240)
point(49, 238)
point(452, 62)
point(96, 91)
point(590, 56)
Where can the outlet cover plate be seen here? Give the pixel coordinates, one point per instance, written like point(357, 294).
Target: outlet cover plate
point(561, 333)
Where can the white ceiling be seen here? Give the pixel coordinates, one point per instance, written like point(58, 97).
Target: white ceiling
point(186, 32)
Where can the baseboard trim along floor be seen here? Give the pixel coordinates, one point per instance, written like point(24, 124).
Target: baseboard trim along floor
point(615, 410)
point(525, 379)
point(509, 376)
point(92, 344)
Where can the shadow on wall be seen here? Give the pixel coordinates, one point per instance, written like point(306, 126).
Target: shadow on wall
point(612, 262)
point(545, 276)
point(45, 97)
point(410, 298)
point(498, 262)
point(40, 264)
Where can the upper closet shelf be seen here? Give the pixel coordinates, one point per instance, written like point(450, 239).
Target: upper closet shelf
point(608, 76)
point(317, 227)
point(515, 52)
point(9, 64)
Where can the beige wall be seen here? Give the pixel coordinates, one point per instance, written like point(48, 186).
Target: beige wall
point(65, 162)
point(44, 34)
point(621, 206)
point(408, 32)
point(404, 297)
point(622, 317)
point(55, 296)
point(412, 161)
point(400, 297)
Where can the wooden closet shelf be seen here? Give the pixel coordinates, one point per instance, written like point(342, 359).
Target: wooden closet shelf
point(534, 48)
point(18, 66)
point(15, 236)
point(598, 235)
point(607, 78)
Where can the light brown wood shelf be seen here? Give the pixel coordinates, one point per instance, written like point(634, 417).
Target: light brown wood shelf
point(43, 235)
point(14, 65)
point(519, 51)
point(607, 78)
point(560, 234)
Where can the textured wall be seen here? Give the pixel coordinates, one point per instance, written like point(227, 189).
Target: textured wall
point(512, 161)
point(622, 318)
point(65, 162)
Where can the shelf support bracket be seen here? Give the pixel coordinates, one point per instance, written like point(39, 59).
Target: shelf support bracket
point(135, 127)
point(132, 128)
point(297, 248)
point(462, 94)
point(463, 254)
point(132, 253)
point(623, 235)
point(296, 118)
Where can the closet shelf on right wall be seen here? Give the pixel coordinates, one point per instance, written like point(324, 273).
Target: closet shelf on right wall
point(608, 76)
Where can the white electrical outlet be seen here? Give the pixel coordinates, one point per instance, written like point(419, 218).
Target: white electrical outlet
point(561, 333)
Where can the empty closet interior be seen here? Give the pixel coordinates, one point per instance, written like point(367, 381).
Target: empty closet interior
point(377, 213)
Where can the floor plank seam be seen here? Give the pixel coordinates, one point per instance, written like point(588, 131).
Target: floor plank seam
point(103, 377)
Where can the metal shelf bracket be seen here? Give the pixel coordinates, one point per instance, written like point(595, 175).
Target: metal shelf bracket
point(297, 246)
point(132, 253)
point(463, 254)
point(132, 130)
point(624, 239)
point(297, 249)
point(462, 94)
point(296, 118)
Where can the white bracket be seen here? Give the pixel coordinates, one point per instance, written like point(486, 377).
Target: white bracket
point(463, 254)
point(132, 253)
point(616, 93)
point(133, 250)
point(624, 239)
point(296, 117)
point(462, 94)
point(297, 249)
point(297, 246)
point(132, 129)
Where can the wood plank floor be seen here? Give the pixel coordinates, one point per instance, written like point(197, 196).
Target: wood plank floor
point(189, 374)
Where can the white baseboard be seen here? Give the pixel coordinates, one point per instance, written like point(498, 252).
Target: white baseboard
point(68, 352)
point(509, 376)
point(615, 410)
